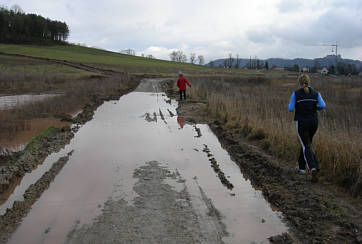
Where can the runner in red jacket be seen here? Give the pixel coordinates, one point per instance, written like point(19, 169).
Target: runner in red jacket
point(181, 84)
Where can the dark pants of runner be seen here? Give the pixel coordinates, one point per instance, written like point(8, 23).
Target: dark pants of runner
point(184, 94)
point(306, 131)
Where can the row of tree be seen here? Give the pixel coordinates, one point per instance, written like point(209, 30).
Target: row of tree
point(341, 68)
point(18, 27)
point(179, 56)
point(231, 62)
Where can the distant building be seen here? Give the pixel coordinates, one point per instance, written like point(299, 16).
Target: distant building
point(305, 69)
point(324, 71)
point(278, 68)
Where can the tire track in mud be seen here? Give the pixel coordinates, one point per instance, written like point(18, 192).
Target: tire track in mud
point(217, 169)
point(12, 218)
point(159, 214)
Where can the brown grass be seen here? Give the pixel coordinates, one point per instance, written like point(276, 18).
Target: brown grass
point(259, 107)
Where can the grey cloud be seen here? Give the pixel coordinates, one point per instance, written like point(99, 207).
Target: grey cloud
point(289, 6)
point(257, 36)
point(140, 24)
point(336, 24)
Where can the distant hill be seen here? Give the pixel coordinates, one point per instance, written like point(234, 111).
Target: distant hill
point(302, 62)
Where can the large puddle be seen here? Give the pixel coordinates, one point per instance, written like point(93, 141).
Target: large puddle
point(16, 141)
point(123, 136)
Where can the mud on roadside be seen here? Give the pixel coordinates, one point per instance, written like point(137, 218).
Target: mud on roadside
point(313, 214)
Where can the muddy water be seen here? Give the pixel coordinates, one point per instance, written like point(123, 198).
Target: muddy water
point(7, 102)
point(123, 136)
point(17, 141)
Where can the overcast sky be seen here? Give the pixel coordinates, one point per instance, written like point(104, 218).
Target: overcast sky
point(213, 28)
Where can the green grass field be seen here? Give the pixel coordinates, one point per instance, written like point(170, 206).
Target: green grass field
point(101, 58)
point(116, 61)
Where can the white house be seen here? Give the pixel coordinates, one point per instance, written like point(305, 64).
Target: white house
point(305, 69)
point(278, 68)
point(324, 71)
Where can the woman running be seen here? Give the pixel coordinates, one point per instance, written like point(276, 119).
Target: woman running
point(306, 102)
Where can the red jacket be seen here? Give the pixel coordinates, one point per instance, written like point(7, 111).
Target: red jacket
point(181, 83)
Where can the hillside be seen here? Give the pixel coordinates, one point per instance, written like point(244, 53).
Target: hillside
point(302, 62)
point(102, 59)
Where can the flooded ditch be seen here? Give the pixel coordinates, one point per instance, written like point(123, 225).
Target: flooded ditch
point(104, 174)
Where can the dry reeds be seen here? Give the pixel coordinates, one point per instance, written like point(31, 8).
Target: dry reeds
point(259, 107)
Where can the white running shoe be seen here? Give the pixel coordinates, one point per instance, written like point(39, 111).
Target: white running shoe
point(299, 171)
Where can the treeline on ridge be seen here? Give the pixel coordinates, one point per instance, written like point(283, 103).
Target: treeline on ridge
point(18, 27)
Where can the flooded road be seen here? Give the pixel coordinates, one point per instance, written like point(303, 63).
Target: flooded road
point(139, 174)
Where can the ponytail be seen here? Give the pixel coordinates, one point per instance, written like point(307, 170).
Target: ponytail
point(304, 81)
point(306, 89)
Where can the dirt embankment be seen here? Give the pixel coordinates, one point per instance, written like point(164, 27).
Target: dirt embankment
point(313, 213)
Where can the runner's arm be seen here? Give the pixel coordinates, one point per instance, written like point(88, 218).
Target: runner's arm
point(321, 104)
point(291, 104)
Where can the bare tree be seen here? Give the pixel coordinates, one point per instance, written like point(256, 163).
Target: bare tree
point(226, 63)
point(129, 51)
point(178, 56)
point(230, 61)
point(183, 58)
point(201, 59)
point(192, 58)
point(237, 65)
point(173, 56)
point(17, 9)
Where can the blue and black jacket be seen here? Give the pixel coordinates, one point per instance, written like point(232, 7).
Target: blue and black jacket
point(306, 104)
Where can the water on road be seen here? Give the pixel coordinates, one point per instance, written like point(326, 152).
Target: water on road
point(121, 139)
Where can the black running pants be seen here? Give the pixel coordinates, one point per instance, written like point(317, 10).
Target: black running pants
point(306, 131)
point(183, 93)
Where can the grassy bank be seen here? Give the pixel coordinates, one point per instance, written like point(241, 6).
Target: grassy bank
point(74, 88)
point(258, 107)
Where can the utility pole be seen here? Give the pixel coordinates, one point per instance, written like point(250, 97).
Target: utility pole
point(336, 52)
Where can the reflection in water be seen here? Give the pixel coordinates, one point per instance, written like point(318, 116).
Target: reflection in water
point(16, 142)
point(180, 121)
point(119, 140)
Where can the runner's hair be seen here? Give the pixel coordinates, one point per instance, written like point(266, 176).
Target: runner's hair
point(304, 81)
